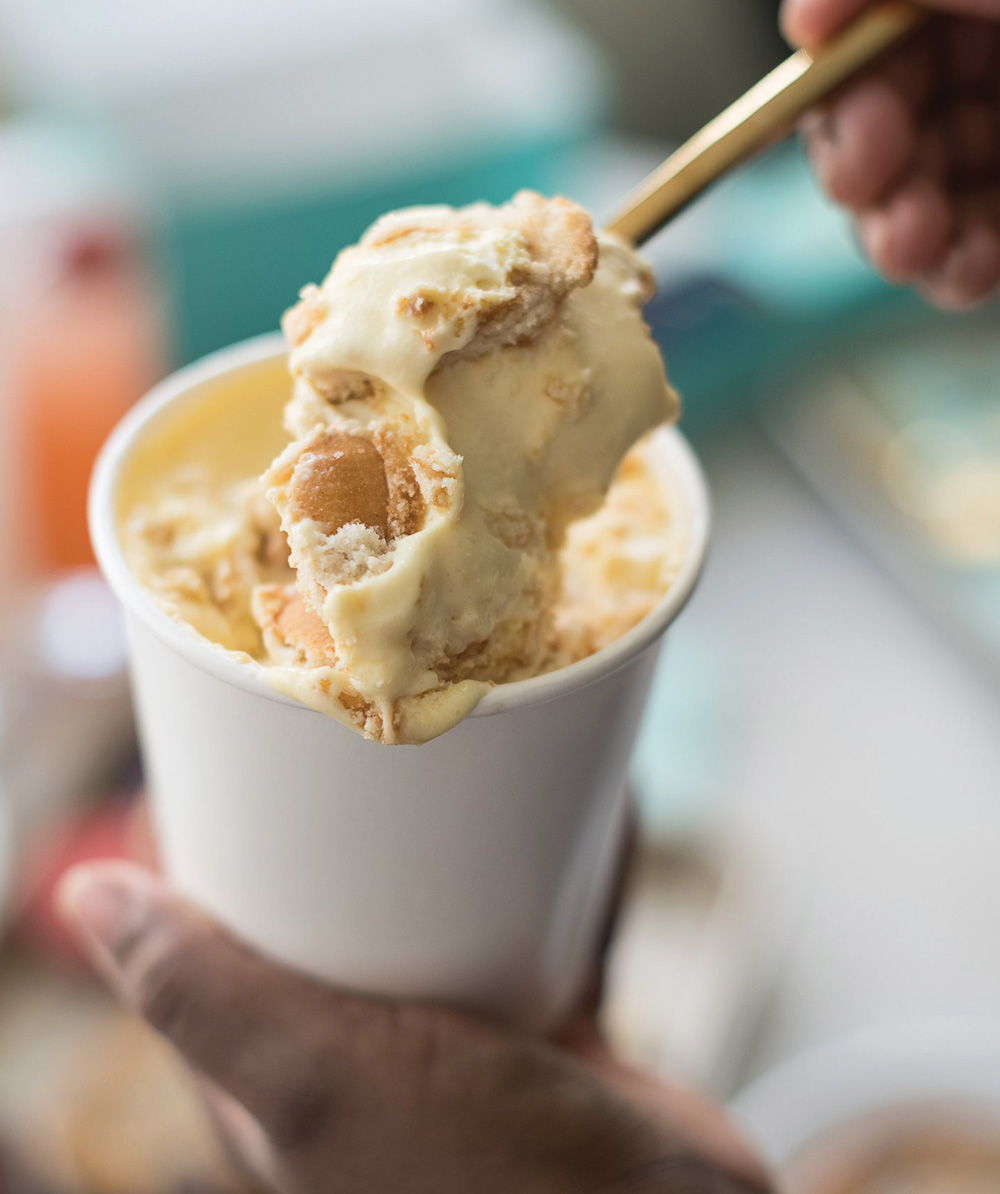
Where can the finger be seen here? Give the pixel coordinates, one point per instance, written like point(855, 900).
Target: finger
point(864, 143)
point(973, 132)
point(969, 53)
point(691, 1116)
point(912, 69)
point(933, 156)
point(990, 204)
point(811, 22)
point(277, 1042)
point(970, 273)
point(247, 1146)
point(910, 234)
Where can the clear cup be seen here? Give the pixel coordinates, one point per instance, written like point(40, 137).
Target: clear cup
point(474, 870)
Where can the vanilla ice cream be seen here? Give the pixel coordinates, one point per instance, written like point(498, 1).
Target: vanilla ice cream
point(445, 513)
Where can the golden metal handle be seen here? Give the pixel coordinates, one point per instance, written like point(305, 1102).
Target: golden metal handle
point(769, 108)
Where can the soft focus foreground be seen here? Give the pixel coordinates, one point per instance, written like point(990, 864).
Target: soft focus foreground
point(818, 774)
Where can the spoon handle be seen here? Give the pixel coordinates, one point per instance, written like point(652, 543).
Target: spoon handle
point(768, 110)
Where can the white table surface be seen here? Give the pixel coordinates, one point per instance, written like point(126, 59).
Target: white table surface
point(864, 775)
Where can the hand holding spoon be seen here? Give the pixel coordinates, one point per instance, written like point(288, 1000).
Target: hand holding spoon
point(768, 110)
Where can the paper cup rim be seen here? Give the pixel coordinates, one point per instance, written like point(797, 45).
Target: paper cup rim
point(209, 657)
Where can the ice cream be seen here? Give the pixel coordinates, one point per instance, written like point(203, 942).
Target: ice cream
point(466, 386)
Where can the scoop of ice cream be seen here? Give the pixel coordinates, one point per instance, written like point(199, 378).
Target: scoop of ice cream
point(465, 385)
point(428, 282)
point(202, 548)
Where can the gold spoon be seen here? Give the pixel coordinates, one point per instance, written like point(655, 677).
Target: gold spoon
point(768, 110)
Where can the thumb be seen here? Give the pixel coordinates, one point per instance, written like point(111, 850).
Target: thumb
point(282, 1045)
point(812, 22)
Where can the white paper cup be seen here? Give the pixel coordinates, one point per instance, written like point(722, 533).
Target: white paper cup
point(473, 870)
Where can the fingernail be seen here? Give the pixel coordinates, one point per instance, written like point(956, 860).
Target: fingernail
point(105, 905)
point(819, 126)
point(949, 282)
point(954, 266)
point(873, 230)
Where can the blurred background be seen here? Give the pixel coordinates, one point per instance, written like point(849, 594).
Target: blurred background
point(819, 772)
